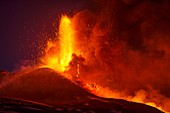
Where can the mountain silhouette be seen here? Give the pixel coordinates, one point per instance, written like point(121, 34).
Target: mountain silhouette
point(46, 86)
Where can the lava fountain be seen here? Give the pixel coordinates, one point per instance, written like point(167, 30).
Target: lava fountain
point(63, 56)
point(58, 54)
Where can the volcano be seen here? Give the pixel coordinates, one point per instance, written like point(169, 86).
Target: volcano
point(46, 86)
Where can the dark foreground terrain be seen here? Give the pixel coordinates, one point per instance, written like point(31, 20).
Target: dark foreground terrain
point(57, 94)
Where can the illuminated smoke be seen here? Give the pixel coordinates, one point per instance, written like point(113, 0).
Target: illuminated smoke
point(126, 47)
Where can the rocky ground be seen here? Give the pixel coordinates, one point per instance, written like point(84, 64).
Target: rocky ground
point(58, 94)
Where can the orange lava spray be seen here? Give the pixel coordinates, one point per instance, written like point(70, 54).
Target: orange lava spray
point(58, 54)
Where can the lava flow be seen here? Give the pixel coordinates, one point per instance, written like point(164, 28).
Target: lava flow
point(61, 55)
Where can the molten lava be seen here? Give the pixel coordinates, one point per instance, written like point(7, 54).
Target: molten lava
point(66, 41)
point(59, 53)
point(59, 56)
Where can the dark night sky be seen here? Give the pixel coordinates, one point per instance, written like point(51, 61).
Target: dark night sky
point(24, 22)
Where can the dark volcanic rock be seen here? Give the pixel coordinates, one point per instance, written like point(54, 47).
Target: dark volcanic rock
point(8, 105)
point(44, 85)
point(49, 87)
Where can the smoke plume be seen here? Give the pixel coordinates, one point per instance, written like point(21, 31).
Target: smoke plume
point(126, 46)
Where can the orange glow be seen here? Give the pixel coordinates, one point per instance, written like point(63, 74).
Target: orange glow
point(59, 54)
point(66, 41)
point(140, 97)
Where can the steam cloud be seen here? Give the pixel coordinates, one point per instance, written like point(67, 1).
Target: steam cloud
point(128, 47)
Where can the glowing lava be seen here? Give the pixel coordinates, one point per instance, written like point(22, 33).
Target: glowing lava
point(67, 41)
point(140, 97)
point(58, 54)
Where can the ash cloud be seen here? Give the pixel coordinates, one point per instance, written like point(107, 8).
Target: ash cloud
point(128, 46)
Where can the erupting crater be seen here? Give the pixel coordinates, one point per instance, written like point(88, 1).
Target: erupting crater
point(76, 68)
point(66, 57)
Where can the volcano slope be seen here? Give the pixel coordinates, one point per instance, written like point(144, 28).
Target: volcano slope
point(49, 87)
